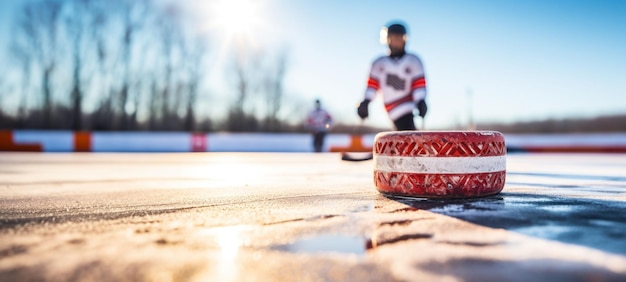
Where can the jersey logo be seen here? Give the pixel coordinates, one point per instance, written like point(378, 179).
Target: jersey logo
point(395, 82)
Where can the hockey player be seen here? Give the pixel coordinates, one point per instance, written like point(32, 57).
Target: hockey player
point(318, 122)
point(399, 77)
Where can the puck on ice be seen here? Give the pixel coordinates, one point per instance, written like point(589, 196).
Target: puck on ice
point(439, 164)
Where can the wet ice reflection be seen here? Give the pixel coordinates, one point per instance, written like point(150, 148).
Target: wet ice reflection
point(228, 240)
point(326, 244)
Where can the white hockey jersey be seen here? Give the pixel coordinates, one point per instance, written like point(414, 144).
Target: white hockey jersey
point(319, 120)
point(401, 81)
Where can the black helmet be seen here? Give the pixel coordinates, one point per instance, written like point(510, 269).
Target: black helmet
point(392, 28)
point(396, 28)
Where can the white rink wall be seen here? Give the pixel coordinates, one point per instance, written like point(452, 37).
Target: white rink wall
point(141, 142)
point(66, 141)
point(51, 141)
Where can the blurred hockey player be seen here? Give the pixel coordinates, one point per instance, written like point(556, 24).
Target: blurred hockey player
point(318, 122)
point(399, 77)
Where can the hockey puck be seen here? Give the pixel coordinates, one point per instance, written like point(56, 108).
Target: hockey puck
point(439, 164)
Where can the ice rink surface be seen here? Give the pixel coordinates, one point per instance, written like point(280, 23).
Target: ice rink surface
point(297, 216)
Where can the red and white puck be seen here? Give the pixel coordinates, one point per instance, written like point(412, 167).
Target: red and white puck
point(442, 164)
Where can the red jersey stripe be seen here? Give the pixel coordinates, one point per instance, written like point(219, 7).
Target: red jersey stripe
point(418, 83)
point(407, 98)
point(373, 83)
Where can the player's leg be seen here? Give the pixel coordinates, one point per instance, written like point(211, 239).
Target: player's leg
point(314, 139)
point(321, 141)
point(317, 141)
point(405, 122)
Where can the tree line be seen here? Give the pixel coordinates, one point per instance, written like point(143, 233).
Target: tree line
point(605, 123)
point(144, 65)
point(130, 65)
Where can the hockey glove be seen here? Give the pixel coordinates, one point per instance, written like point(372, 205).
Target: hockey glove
point(362, 110)
point(422, 108)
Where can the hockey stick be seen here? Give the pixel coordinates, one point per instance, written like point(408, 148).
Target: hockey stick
point(357, 156)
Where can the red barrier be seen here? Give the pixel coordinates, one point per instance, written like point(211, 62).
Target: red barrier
point(7, 144)
point(82, 141)
point(198, 142)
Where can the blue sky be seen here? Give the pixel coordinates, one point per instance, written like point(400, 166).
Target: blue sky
point(521, 60)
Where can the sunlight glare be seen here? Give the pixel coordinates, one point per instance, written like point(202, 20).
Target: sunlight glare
point(237, 17)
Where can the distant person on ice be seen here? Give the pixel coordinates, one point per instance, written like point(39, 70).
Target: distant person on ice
point(400, 78)
point(318, 122)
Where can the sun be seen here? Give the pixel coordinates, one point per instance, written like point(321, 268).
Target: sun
point(236, 18)
point(237, 28)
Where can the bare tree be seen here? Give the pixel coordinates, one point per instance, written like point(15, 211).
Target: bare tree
point(2, 94)
point(153, 117)
point(259, 79)
point(76, 23)
point(237, 112)
point(38, 24)
point(236, 115)
point(273, 88)
point(23, 57)
point(133, 14)
point(194, 59)
point(247, 69)
point(169, 36)
point(121, 53)
point(104, 114)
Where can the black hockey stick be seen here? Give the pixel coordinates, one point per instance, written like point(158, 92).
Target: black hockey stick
point(356, 156)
